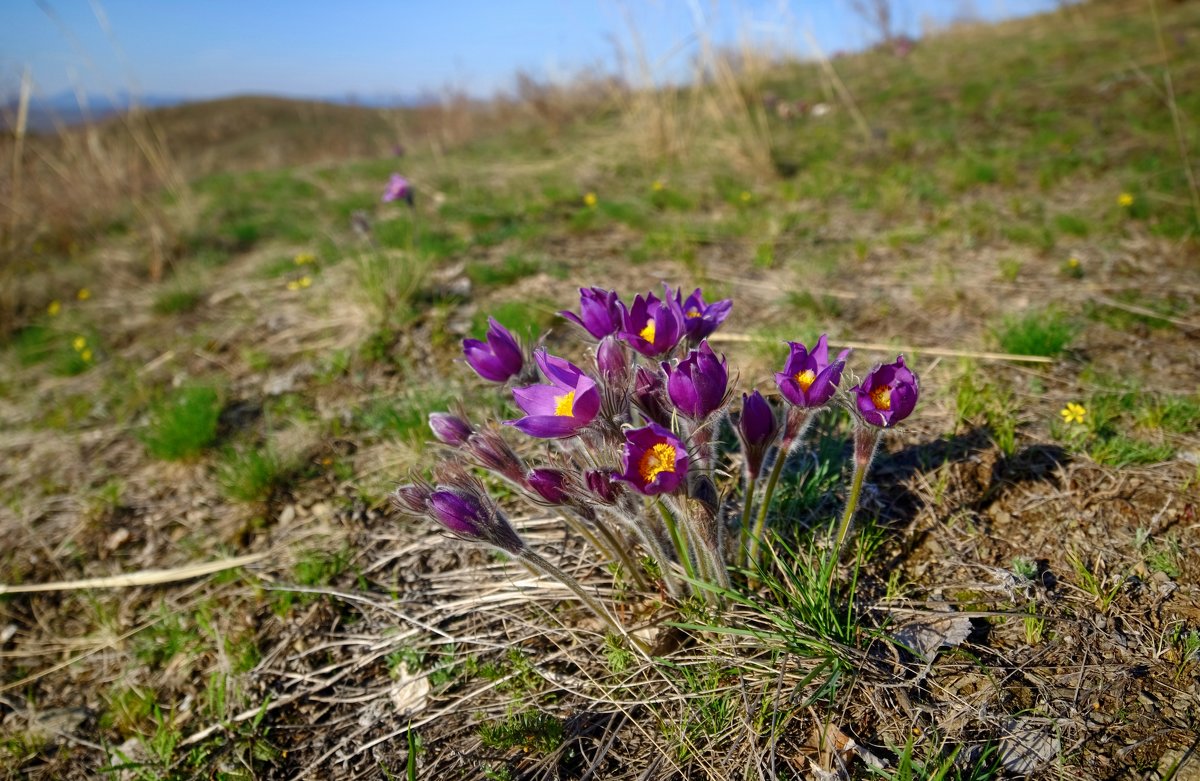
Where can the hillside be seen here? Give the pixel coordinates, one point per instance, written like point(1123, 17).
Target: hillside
point(222, 349)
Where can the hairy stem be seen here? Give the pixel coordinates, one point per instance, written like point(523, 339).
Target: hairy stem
point(546, 568)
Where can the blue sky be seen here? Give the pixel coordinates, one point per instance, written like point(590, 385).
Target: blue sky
point(374, 48)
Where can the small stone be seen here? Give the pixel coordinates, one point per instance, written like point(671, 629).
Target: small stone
point(117, 539)
point(287, 515)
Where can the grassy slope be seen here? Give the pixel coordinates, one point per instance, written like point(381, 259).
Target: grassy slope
point(305, 364)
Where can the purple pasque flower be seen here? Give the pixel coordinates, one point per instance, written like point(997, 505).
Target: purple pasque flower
point(412, 498)
point(652, 326)
point(559, 409)
point(808, 379)
point(612, 363)
point(398, 189)
point(654, 460)
point(650, 395)
point(888, 394)
point(701, 319)
point(757, 428)
point(604, 485)
point(600, 310)
point(497, 360)
point(697, 385)
point(467, 512)
point(449, 429)
point(550, 484)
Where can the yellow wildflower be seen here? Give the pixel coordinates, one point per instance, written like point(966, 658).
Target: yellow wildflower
point(658, 186)
point(746, 196)
point(589, 199)
point(84, 294)
point(305, 281)
point(1125, 199)
point(86, 355)
point(304, 258)
point(1073, 262)
point(54, 308)
point(79, 343)
point(293, 285)
point(1073, 413)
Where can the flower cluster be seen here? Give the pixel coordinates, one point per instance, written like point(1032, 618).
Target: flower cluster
point(631, 436)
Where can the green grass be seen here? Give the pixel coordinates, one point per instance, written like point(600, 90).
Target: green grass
point(404, 417)
point(1046, 333)
point(529, 731)
point(178, 300)
point(252, 474)
point(184, 424)
point(527, 320)
point(513, 268)
point(389, 281)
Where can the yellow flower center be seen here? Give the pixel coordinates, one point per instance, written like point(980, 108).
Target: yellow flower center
point(881, 397)
point(647, 333)
point(564, 406)
point(805, 378)
point(656, 460)
point(691, 313)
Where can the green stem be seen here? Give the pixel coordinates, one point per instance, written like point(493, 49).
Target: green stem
point(546, 568)
point(634, 570)
point(748, 505)
point(681, 546)
point(760, 525)
point(656, 550)
point(865, 441)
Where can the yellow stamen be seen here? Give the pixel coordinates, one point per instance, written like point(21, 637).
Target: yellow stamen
point(692, 313)
point(564, 406)
point(647, 333)
point(805, 378)
point(881, 397)
point(656, 460)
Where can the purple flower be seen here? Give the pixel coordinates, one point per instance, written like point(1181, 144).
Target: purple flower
point(697, 385)
point(412, 498)
point(652, 326)
point(492, 452)
point(398, 189)
point(561, 408)
point(499, 359)
point(654, 460)
point(701, 319)
point(808, 378)
point(550, 484)
point(449, 429)
point(467, 512)
point(757, 429)
point(888, 394)
point(612, 363)
point(649, 394)
point(601, 310)
point(604, 485)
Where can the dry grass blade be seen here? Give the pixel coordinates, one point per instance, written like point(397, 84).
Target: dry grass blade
point(149, 577)
point(880, 347)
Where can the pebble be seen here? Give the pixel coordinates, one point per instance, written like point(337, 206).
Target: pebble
point(287, 515)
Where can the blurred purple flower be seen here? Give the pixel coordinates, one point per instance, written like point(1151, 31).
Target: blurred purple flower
point(701, 319)
point(697, 385)
point(652, 326)
point(449, 429)
point(757, 429)
point(398, 189)
point(888, 394)
point(559, 409)
point(654, 460)
point(808, 379)
point(600, 309)
point(499, 359)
